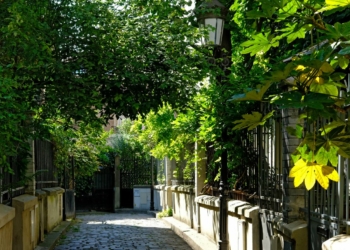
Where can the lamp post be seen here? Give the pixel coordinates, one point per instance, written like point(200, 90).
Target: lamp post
point(211, 15)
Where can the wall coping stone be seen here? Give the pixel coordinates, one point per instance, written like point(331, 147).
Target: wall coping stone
point(142, 186)
point(241, 209)
point(251, 212)
point(182, 188)
point(60, 190)
point(340, 241)
point(234, 204)
point(208, 200)
point(40, 194)
point(6, 214)
point(53, 190)
point(159, 187)
point(24, 202)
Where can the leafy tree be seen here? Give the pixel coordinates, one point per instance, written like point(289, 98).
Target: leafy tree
point(85, 143)
point(88, 60)
point(305, 46)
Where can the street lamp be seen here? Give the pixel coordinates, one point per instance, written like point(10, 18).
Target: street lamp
point(211, 14)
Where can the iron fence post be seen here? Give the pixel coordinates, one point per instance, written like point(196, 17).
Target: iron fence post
point(222, 243)
point(152, 184)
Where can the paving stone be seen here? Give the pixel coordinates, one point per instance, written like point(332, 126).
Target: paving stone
point(113, 231)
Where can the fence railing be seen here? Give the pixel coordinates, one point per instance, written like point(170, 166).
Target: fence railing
point(44, 167)
point(260, 178)
point(11, 184)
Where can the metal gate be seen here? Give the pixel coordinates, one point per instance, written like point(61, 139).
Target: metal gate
point(327, 211)
point(44, 167)
point(135, 169)
point(96, 192)
point(103, 189)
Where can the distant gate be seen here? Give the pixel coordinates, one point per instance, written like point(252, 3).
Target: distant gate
point(136, 169)
point(103, 192)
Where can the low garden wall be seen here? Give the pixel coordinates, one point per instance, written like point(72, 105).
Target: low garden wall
point(183, 204)
point(246, 229)
point(23, 225)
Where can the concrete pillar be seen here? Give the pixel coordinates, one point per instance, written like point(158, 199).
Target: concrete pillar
point(6, 227)
point(339, 242)
point(117, 183)
point(24, 224)
point(30, 187)
point(170, 166)
point(294, 197)
point(200, 167)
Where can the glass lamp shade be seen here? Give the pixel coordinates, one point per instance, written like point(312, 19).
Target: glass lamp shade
point(215, 26)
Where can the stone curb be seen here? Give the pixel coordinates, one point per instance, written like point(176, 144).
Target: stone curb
point(195, 240)
point(52, 238)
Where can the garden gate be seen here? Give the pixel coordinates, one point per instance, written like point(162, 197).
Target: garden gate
point(135, 169)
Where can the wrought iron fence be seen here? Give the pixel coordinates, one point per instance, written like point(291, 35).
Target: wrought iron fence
point(46, 172)
point(260, 177)
point(328, 211)
point(11, 184)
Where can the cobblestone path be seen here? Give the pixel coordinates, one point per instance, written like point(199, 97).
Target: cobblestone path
point(120, 231)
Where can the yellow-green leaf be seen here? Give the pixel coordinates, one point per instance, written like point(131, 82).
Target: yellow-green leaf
point(325, 88)
point(251, 121)
point(253, 95)
point(311, 172)
point(331, 173)
point(343, 62)
point(320, 177)
point(261, 43)
point(333, 4)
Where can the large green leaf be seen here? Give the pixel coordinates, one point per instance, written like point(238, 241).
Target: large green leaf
point(252, 95)
point(251, 121)
point(335, 4)
point(297, 131)
point(343, 144)
point(331, 126)
point(326, 88)
point(260, 43)
point(293, 31)
point(287, 10)
point(337, 31)
point(323, 156)
point(345, 51)
point(289, 100)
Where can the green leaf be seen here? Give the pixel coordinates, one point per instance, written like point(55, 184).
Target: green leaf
point(297, 131)
point(342, 142)
point(344, 51)
point(326, 88)
point(251, 121)
point(289, 9)
point(253, 95)
point(293, 31)
point(334, 4)
point(337, 31)
point(317, 100)
point(331, 126)
point(343, 62)
point(260, 43)
point(291, 99)
point(323, 156)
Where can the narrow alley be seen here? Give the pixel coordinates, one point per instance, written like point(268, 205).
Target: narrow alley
point(102, 231)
